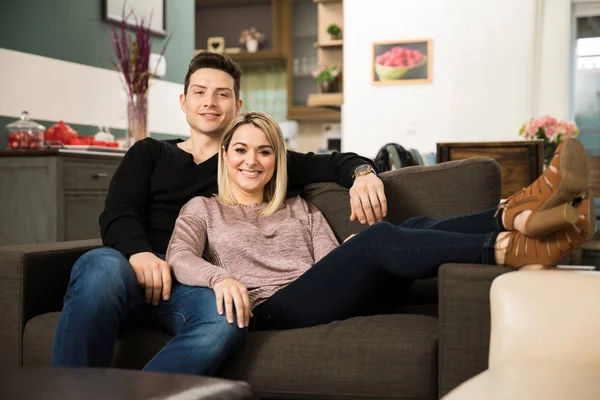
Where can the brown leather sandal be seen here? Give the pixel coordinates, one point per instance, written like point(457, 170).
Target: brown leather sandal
point(548, 250)
point(564, 180)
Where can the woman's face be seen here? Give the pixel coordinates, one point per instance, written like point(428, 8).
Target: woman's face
point(250, 163)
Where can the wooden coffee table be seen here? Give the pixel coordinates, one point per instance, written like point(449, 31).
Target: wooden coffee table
point(96, 383)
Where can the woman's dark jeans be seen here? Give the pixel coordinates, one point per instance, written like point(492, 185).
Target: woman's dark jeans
point(341, 284)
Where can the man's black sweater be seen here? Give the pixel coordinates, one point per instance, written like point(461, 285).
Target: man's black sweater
point(156, 178)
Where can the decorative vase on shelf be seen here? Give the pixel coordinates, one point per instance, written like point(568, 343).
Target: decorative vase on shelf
point(137, 118)
point(252, 45)
point(327, 87)
point(132, 52)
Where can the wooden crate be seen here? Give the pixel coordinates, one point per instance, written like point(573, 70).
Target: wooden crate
point(520, 162)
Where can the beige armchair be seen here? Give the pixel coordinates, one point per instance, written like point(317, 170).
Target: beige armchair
point(545, 338)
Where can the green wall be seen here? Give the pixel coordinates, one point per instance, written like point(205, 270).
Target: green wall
point(73, 30)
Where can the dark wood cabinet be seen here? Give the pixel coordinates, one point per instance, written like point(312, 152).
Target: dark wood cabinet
point(292, 31)
point(520, 162)
point(53, 195)
point(227, 19)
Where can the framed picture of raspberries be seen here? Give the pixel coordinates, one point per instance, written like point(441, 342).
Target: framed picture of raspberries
point(402, 62)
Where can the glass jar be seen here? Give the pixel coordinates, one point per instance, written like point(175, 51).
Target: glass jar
point(25, 134)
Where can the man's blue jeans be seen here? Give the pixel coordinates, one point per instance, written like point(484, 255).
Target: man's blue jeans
point(104, 298)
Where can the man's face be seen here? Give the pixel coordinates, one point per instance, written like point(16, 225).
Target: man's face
point(210, 101)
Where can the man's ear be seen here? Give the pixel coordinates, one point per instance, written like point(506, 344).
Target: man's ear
point(238, 107)
point(182, 101)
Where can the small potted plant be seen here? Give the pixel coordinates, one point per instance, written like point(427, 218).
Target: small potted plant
point(335, 31)
point(327, 76)
point(251, 37)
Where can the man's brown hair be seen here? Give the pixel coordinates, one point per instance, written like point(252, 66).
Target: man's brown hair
point(206, 59)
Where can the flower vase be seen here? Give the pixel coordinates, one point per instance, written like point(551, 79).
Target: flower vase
point(549, 149)
point(252, 45)
point(137, 119)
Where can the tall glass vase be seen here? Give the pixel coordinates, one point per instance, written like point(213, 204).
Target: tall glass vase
point(137, 118)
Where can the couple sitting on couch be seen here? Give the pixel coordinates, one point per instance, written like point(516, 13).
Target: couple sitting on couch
point(261, 260)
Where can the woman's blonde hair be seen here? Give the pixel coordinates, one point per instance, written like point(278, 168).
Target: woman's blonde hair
point(276, 188)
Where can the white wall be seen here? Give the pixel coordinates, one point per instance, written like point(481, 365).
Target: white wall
point(52, 89)
point(495, 64)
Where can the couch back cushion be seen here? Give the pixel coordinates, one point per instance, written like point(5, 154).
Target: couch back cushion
point(437, 191)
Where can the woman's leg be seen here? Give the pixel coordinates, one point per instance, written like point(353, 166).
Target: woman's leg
point(481, 222)
point(343, 281)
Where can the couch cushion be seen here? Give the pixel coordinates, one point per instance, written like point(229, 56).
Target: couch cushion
point(134, 349)
point(384, 356)
point(334, 202)
point(437, 191)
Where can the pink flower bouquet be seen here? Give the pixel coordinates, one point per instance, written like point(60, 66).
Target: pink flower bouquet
point(550, 130)
point(326, 73)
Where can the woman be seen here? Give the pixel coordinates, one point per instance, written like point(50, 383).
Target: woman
point(278, 260)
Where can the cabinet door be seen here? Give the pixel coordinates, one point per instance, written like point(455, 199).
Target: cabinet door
point(302, 60)
point(84, 187)
point(28, 196)
point(81, 217)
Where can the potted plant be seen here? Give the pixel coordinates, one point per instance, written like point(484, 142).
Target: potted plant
point(251, 37)
point(335, 31)
point(327, 76)
point(551, 131)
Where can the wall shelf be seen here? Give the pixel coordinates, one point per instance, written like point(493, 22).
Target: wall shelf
point(227, 18)
point(261, 55)
point(329, 51)
point(330, 43)
point(314, 114)
point(326, 100)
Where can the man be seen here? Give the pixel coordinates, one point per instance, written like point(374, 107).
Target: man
point(128, 283)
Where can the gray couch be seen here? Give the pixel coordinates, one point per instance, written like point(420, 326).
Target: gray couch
point(435, 338)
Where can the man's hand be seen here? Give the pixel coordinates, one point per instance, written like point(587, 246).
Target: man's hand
point(153, 274)
point(232, 292)
point(367, 200)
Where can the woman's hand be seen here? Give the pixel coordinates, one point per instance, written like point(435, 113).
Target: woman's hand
point(232, 292)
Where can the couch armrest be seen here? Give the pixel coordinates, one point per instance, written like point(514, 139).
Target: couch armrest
point(464, 321)
point(34, 280)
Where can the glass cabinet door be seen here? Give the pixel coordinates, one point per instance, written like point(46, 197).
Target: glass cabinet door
point(304, 54)
point(302, 60)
